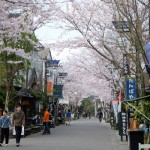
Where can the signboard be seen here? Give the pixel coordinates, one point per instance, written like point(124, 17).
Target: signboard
point(49, 88)
point(126, 64)
point(122, 26)
point(58, 91)
point(62, 74)
point(122, 124)
point(131, 89)
point(52, 63)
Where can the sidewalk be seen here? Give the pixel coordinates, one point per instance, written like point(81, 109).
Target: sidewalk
point(122, 145)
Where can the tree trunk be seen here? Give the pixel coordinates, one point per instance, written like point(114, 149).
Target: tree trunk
point(7, 97)
point(8, 91)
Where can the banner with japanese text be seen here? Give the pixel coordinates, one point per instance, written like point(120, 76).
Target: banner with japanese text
point(131, 89)
point(122, 124)
point(126, 64)
point(147, 46)
point(119, 101)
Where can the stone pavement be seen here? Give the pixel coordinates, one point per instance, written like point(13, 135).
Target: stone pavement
point(83, 134)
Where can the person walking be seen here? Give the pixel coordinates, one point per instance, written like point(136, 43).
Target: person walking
point(60, 117)
point(100, 116)
point(68, 117)
point(46, 122)
point(4, 125)
point(89, 115)
point(18, 122)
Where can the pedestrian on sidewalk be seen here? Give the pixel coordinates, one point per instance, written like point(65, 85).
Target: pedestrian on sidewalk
point(60, 117)
point(100, 116)
point(4, 125)
point(18, 122)
point(89, 115)
point(46, 122)
point(68, 117)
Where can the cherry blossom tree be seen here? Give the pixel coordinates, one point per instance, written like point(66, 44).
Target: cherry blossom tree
point(87, 77)
point(136, 16)
point(18, 21)
point(93, 21)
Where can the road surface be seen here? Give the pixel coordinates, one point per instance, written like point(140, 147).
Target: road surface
point(83, 134)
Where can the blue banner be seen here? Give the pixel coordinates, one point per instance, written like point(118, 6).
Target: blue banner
point(52, 63)
point(131, 89)
point(62, 74)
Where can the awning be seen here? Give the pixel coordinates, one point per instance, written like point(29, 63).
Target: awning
point(137, 99)
point(23, 92)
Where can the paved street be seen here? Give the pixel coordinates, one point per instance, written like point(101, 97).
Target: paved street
point(84, 134)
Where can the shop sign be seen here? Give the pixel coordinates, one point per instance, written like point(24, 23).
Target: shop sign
point(131, 89)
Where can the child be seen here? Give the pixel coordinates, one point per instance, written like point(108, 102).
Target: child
point(4, 125)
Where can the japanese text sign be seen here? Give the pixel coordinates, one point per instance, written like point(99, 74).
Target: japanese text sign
point(131, 88)
point(122, 124)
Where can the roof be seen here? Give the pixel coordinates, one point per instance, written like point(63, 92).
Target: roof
point(43, 54)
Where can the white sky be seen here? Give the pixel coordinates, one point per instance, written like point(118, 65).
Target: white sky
point(47, 35)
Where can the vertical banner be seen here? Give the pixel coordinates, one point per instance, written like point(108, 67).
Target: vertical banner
point(122, 124)
point(147, 52)
point(131, 91)
point(119, 100)
point(147, 45)
point(49, 88)
point(126, 64)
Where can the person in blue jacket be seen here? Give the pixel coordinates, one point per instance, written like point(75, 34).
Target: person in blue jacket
point(4, 126)
point(68, 117)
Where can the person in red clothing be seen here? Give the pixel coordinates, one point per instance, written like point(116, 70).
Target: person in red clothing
point(46, 120)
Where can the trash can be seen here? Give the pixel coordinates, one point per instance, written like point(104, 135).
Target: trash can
point(135, 137)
